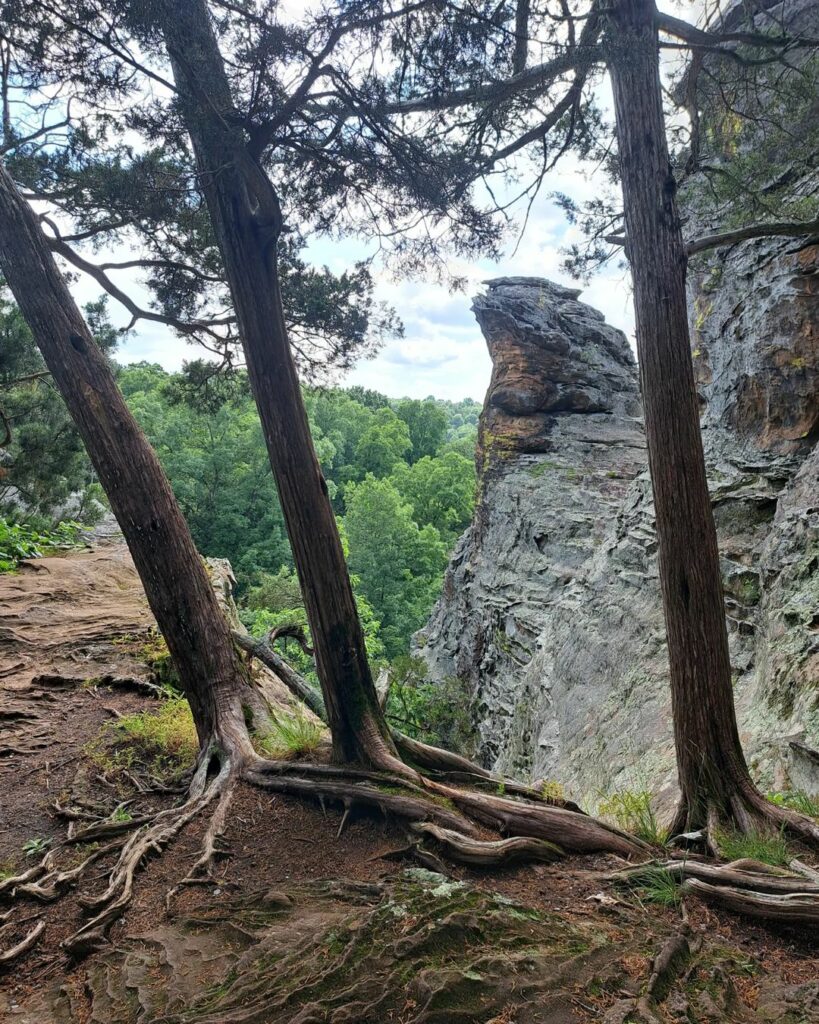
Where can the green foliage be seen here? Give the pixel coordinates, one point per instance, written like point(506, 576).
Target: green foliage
point(440, 490)
point(290, 735)
point(797, 800)
point(45, 474)
point(400, 565)
point(385, 443)
point(770, 848)
point(36, 847)
point(427, 425)
point(656, 885)
point(632, 812)
point(432, 712)
point(19, 541)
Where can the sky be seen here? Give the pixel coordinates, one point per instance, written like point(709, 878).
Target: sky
point(442, 351)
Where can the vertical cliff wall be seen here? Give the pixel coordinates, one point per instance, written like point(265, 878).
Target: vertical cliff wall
point(551, 609)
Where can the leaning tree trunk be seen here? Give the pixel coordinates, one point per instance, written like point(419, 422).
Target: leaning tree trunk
point(247, 220)
point(714, 780)
point(173, 574)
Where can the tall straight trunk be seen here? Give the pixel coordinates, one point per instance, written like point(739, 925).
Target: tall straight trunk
point(176, 582)
point(247, 220)
point(712, 769)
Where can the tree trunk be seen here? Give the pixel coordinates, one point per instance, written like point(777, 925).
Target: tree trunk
point(247, 221)
point(172, 572)
point(712, 770)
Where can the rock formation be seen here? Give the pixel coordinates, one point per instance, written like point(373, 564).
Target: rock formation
point(551, 612)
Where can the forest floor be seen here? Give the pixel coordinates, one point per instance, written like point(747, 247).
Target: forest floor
point(301, 924)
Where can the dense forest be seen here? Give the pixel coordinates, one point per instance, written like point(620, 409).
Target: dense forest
point(401, 477)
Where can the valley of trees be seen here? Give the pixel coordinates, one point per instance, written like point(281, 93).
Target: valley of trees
point(401, 477)
point(248, 133)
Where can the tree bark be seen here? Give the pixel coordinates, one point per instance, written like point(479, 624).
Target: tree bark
point(247, 220)
point(712, 769)
point(173, 574)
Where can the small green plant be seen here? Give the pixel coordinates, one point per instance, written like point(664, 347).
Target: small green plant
point(168, 730)
point(154, 652)
point(656, 885)
point(797, 800)
point(436, 713)
point(122, 814)
point(19, 541)
point(631, 811)
point(551, 790)
point(162, 739)
point(290, 735)
point(770, 848)
point(36, 847)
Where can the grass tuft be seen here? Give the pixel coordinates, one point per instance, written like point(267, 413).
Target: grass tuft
point(291, 735)
point(770, 848)
point(168, 730)
point(797, 800)
point(162, 739)
point(631, 811)
point(656, 885)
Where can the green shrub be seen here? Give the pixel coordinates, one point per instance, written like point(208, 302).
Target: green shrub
point(631, 811)
point(19, 541)
point(434, 713)
point(291, 735)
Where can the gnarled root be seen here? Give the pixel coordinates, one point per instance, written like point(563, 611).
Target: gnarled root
point(722, 874)
point(149, 838)
point(795, 908)
point(488, 853)
point(202, 871)
point(568, 829)
point(389, 794)
point(24, 945)
point(782, 898)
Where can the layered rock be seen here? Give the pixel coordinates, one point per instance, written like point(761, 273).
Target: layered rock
point(551, 611)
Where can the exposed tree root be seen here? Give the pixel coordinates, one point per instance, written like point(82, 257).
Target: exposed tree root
point(53, 884)
point(782, 898)
point(721, 874)
point(796, 908)
point(743, 809)
point(24, 945)
point(202, 870)
point(443, 813)
point(488, 853)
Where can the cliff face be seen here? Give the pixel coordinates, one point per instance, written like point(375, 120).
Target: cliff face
point(551, 608)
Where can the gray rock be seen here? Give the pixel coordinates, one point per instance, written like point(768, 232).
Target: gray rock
point(551, 611)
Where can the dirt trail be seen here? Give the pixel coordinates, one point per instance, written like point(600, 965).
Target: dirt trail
point(302, 925)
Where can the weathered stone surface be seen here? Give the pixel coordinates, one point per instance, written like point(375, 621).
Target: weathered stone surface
point(551, 606)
